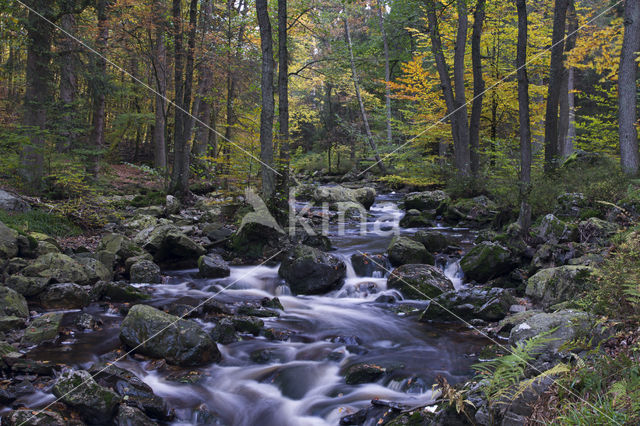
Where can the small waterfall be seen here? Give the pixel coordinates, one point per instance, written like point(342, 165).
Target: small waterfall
point(453, 271)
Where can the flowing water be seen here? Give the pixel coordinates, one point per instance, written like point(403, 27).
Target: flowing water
point(301, 381)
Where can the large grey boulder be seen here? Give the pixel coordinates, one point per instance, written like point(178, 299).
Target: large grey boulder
point(12, 303)
point(553, 230)
point(44, 328)
point(59, 268)
point(554, 285)
point(96, 270)
point(308, 270)
point(12, 203)
point(160, 335)
point(416, 281)
point(428, 200)
point(64, 296)
point(485, 261)
point(403, 250)
point(168, 244)
point(485, 304)
point(339, 194)
point(433, 241)
point(8, 242)
point(145, 271)
point(213, 266)
point(78, 389)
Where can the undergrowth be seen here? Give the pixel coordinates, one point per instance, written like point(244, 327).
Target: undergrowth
point(40, 221)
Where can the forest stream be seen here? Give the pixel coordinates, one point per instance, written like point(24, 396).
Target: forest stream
point(297, 378)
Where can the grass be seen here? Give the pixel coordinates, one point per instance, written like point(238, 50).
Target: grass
point(42, 222)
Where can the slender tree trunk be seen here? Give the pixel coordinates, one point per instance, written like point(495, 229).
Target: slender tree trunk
point(37, 96)
point(478, 87)
point(268, 106)
point(363, 112)
point(67, 60)
point(551, 145)
point(283, 93)
point(202, 107)
point(566, 89)
point(160, 68)
point(387, 70)
point(99, 88)
point(463, 155)
point(524, 117)
point(627, 89)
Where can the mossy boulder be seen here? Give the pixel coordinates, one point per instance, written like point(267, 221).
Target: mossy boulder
point(433, 241)
point(258, 236)
point(78, 390)
point(59, 268)
point(553, 230)
point(369, 265)
point(403, 250)
point(594, 230)
point(363, 373)
point(213, 266)
point(181, 342)
point(96, 270)
point(554, 285)
point(169, 245)
point(12, 303)
point(115, 249)
point(64, 296)
point(27, 286)
point(479, 209)
point(44, 328)
point(339, 194)
point(8, 242)
point(145, 271)
point(117, 292)
point(308, 270)
point(417, 281)
point(417, 219)
point(485, 261)
point(428, 200)
point(486, 304)
point(31, 417)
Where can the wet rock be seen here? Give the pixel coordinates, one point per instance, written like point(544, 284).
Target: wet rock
point(257, 311)
point(216, 232)
point(419, 281)
point(553, 230)
point(404, 250)
point(428, 200)
point(485, 261)
point(87, 322)
point(27, 286)
point(179, 341)
point(559, 328)
point(479, 209)
point(172, 205)
point(433, 241)
point(145, 271)
point(77, 389)
point(42, 329)
point(59, 268)
point(96, 270)
point(12, 203)
point(273, 303)
point(363, 373)
point(131, 416)
point(131, 388)
point(248, 325)
point(417, 219)
point(213, 266)
point(169, 245)
point(12, 303)
point(370, 265)
point(594, 230)
point(310, 271)
point(33, 418)
point(115, 249)
point(337, 194)
point(118, 292)
point(64, 296)
point(225, 332)
point(476, 303)
point(8, 242)
point(555, 285)
point(259, 235)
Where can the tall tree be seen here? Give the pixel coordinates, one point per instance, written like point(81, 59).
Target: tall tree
point(627, 89)
point(99, 86)
point(202, 106)
point(37, 96)
point(68, 61)
point(551, 145)
point(524, 117)
point(268, 105)
point(283, 92)
point(160, 73)
point(478, 86)
point(356, 85)
point(387, 69)
point(458, 114)
point(566, 123)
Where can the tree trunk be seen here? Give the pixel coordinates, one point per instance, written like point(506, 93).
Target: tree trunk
point(160, 68)
point(387, 71)
point(463, 157)
point(202, 107)
point(99, 88)
point(627, 89)
point(566, 96)
point(268, 106)
point(356, 85)
point(67, 60)
point(524, 117)
point(551, 145)
point(478, 87)
point(37, 96)
point(283, 93)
